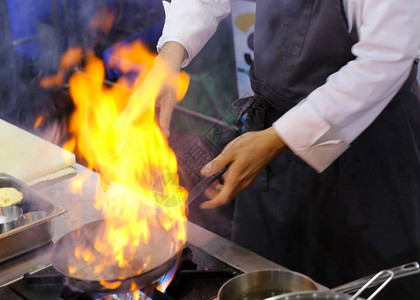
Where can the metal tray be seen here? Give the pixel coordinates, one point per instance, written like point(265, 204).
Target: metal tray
point(33, 234)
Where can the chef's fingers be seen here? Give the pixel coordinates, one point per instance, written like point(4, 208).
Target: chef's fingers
point(223, 177)
point(247, 155)
point(218, 163)
point(228, 191)
point(222, 198)
point(213, 190)
point(166, 103)
point(213, 167)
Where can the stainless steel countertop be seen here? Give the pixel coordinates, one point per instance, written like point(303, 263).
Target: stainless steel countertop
point(80, 211)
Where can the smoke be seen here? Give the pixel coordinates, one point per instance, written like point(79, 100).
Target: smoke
point(33, 37)
point(33, 40)
point(34, 34)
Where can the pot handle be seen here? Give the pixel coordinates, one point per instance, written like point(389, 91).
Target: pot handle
point(371, 281)
point(399, 272)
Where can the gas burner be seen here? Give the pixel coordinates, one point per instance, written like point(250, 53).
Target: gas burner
point(198, 276)
point(135, 295)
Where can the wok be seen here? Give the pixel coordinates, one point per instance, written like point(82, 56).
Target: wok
point(118, 280)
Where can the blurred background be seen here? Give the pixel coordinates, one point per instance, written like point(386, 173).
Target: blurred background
point(34, 35)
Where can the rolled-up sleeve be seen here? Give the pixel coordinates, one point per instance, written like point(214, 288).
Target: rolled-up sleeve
point(192, 23)
point(323, 125)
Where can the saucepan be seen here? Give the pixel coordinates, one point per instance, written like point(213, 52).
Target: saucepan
point(264, 283)
point(326, 295)
point(275, 283)
point(154, 259)
point(22, 219)
point(8, 215)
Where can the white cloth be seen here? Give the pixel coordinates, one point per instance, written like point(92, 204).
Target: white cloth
point(322, 126)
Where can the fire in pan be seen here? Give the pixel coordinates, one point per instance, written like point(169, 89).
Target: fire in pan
point(87, 269)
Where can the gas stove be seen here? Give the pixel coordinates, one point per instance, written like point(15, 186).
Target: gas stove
point(199, 275)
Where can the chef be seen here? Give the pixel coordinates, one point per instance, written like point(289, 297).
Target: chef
point(327, 176)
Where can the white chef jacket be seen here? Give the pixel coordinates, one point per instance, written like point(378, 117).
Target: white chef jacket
point(322, 126)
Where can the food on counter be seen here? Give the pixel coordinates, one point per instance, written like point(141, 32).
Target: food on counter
point(9, 196)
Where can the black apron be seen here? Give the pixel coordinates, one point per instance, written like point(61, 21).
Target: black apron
point(362, 214)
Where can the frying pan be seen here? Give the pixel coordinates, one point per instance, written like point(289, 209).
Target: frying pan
point(119, 280)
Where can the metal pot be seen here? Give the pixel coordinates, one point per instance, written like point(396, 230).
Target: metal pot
point(267, 283)
point(327, 295)
point(314, 295)
point(23, 220)
point(8, 215)
point(31, 217)
point(263, 284)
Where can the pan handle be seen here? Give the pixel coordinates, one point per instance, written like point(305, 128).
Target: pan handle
point(371, 281)
point(399, 272)
point(203, 185)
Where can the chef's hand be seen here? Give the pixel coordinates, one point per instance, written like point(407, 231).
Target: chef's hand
point(172, 90)
point(247, 155)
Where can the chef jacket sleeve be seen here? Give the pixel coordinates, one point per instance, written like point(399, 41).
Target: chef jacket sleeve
point(192, 23)
point(322, 126)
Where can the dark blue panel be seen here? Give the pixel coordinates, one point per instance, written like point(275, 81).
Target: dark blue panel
point(148, 37)
point(23, 15)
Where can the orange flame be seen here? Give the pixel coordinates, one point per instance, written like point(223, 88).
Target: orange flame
point(39, 120)
point(110, 285)
point(144, 218)
point(76, 185)
point(69, 59)
point(102, 21)
point(136, 295)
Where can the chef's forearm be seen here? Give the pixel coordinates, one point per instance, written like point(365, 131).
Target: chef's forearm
point(192, 23)
point(173, 54)
point(324, 125)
